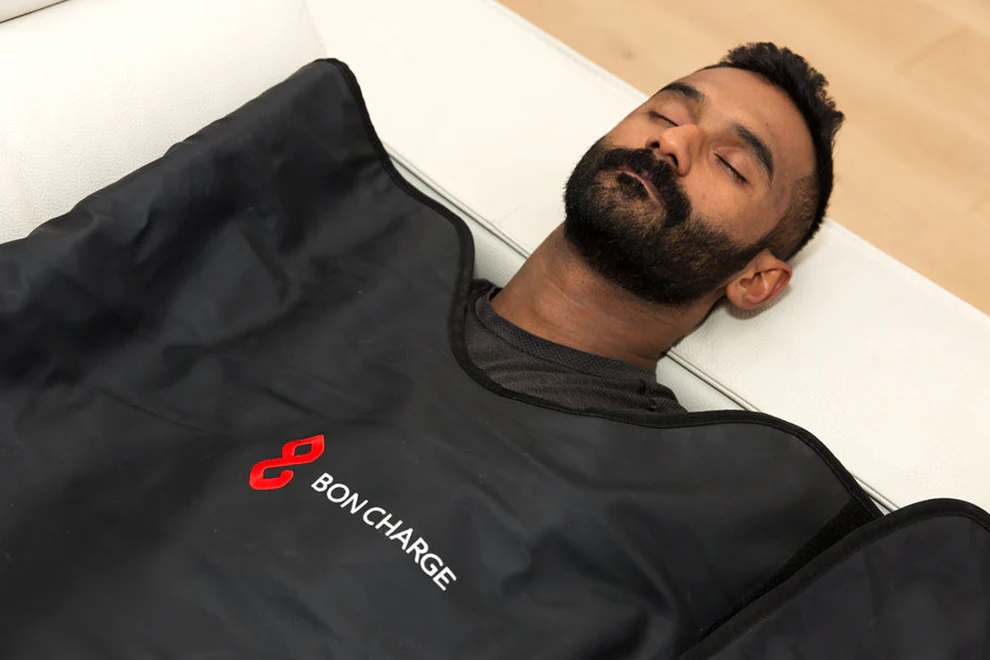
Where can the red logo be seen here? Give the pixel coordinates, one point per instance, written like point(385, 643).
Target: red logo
point(289, 457)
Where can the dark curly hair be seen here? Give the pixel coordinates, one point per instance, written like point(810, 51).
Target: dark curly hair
point(807, 88)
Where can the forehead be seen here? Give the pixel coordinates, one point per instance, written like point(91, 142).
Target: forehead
point(747, 98)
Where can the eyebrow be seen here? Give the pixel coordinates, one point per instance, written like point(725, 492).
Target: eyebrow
point(759, 147)
point(751, 139)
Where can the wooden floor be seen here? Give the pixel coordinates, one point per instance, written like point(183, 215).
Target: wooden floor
point(912, 76)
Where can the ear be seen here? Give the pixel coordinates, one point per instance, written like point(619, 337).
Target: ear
point(759, 283)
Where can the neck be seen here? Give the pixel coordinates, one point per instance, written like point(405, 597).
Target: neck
point(557, 297)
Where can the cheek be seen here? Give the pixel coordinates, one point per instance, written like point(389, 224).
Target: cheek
point(629, 134)
point(717, 206)
point(708, 199)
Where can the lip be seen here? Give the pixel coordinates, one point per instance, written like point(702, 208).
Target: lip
point(646, 184)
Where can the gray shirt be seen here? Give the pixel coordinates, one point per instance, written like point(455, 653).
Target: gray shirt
point(527, 364)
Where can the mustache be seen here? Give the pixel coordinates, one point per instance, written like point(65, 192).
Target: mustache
point(658, 172)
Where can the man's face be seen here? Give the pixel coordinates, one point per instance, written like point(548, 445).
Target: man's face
point(677, 198)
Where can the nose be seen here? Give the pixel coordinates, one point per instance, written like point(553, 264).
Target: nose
point(678, 144)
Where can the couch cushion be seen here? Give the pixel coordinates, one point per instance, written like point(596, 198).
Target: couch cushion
point(887, 368)
point(101, 87)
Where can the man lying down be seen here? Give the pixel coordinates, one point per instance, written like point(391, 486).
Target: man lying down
point(255, 407)
point(701, 194)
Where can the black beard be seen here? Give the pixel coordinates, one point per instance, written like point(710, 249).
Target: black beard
point(661, 253)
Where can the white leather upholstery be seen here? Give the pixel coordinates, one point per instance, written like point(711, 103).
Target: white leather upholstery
point(13, 8)
point(494, 259)
point(93, 89)
point(488, 114)
point(890, 371)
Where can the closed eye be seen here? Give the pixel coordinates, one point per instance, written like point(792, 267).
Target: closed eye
point(739, 177)
point(656, 115)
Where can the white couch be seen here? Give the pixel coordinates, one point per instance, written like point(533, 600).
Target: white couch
point(489, 114)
